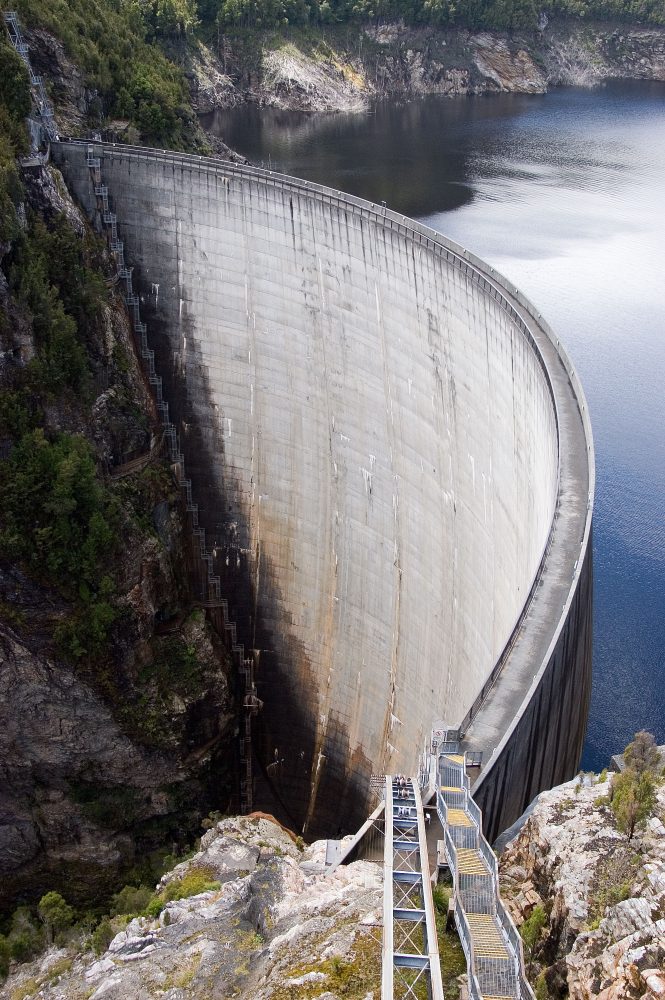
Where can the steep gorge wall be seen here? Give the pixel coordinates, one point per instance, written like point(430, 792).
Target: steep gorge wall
point(349, 66)
point(373, 437)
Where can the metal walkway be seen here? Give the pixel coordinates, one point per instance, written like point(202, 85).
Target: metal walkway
point(410, 946)
point(490, 940)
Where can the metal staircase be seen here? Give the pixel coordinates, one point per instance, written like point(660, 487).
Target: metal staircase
point(410, 946)
point(42, 105)
point(491, 943)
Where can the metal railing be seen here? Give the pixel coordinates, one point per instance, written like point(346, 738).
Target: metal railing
point(491, 942)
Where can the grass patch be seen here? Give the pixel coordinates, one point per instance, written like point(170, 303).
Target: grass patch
point(612, 881)
point(451, 953)
point(199, 878)
point(183, 977)
point(352, 977)
point(27, 989)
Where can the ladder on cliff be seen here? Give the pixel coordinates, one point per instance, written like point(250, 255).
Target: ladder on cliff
point(410, 957)
point(491, 942)
point(210, 581)
point(40, 100)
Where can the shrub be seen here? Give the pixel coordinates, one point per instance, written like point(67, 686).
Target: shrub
point(58, 519)
point(633, 800)
point(55, 913)
point(155, 906)
point(14, 107)
point(541, 991)
point(441, 897)
point(131, 900)
point(102, 936)
point(642, 754)
point(196, 880)
point(5, 956)
point(531, 931)
point(25, 937)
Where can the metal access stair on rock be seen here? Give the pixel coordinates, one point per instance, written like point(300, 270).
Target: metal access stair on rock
point(491, 944)
point(410, 944)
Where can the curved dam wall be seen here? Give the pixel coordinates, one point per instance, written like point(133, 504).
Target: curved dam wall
point(376, 427)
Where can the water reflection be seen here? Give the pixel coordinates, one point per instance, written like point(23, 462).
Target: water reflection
point(414, 156)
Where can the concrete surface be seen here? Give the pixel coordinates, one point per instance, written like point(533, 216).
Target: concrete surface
point(384, 439)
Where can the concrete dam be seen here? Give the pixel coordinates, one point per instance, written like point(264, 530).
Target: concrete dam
point(393, 463)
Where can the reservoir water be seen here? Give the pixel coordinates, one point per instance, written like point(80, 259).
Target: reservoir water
point(565, 194)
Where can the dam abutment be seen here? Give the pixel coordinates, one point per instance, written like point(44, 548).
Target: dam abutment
point(393, 464)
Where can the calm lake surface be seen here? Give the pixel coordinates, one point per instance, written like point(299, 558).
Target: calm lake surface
point(564, 194)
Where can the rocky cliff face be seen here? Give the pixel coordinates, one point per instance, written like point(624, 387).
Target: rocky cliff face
point(604, 895)
point(106, 758)
point(272, 926)
point(345, 71)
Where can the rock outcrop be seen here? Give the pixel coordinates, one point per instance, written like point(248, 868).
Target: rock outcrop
point(274, 925)
point(102, 762)
point(604, 895)
point(346, 71)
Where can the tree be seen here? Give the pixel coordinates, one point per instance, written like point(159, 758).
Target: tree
point(56, 914)
point(531, 930)
point(5, 957)
point(642, 754)
point(633, 799)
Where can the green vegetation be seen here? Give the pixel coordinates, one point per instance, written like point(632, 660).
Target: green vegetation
point(175, 671)
point(54, 274)
point(55, 913)
point(116, 44)
point(633, 800)
point(495, 14)
point(131, 900)
point(23, 939)
point(633, 791)
point(197, 879)
point(14, 106)
point(642, 754)
point(57, 518)
point(132, 52)
point(351, 977)
point(5, 956)
point(251, 15)
point(451, 953)
point(612, 881)
point(541, 991)
point(531, 932)
point(111, 807)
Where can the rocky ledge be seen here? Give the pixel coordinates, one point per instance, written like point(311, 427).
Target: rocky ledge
point(271, 924)
point(603, 895)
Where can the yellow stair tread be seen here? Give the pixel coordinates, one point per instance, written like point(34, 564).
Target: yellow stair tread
point(457, 758)
point(470, 862)
point(482, 949)
point(457, 817)
point(487, 940)
point(450, 788)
